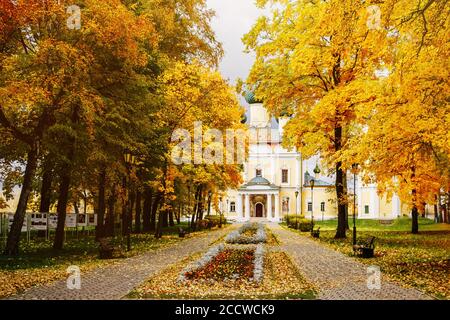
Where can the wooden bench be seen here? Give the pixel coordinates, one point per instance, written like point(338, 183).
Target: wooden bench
point(181, 232)
point(106, 248)
point(315, 233)
point(366, 249)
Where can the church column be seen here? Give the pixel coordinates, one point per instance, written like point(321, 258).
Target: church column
point(240, 214)
point(277, 207)
point(247, 207)
point(269, 207)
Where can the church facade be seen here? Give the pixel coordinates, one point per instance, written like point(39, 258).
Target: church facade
point(277, 182)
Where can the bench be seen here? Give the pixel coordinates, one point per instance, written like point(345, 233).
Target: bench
point(366, 249)
point(106, 248)
point(181, 232)
point(315, 233)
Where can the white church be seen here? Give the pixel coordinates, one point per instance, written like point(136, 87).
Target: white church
point(277, 181)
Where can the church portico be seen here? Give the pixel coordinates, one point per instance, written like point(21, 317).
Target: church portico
point(258, 199)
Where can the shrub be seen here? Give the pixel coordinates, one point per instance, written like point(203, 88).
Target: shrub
point(304, 225)
point(203, 224)
point(215, 220)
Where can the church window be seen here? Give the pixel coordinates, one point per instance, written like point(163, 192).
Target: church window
point(322, 206)
point(309, 206)
point(285, 176)
point(366, 209)
point(258, 172)
point(233, 206)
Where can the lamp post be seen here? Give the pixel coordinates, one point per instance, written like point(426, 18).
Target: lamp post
point(130, 160)
point(189, 206)
point(220, 212)
point(311, 183)
point(355, 169)
point(296, 209)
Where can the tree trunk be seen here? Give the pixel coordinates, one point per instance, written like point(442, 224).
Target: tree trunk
point(12, 244)
point(415, 219)
point(165, 221)
point(155, 207)
point(178, 216)
point(147, 214)
point(436, 209)
point(124, 209)
point(132, 202)
point(447, 210)
point(62, 207)
point(111, 221)
point(101, 206)
point(137, 223)
point(194, 212)
point(171, 220)
point(340, 192)
point(159, 233)
point(46, 188)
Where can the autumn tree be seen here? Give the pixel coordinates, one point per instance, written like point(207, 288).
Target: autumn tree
point(316, 60)
point(405, 142)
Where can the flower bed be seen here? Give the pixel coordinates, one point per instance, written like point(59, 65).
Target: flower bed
point(229, 264)
point(202, 262)
point(241, 236)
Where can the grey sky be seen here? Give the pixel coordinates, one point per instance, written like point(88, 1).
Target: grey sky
point(234, 18)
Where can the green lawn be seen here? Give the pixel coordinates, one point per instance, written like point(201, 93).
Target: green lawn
point(401, 224)
point(421, 261)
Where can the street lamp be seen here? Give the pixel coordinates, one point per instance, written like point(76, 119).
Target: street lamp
point(311, 183)
point(296, 209)
point(130, 160)
point(220, 212)
point(355, 170)
point(189, 206)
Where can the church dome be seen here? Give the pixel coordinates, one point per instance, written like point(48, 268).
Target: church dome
point(250, 98)
point(259, 181)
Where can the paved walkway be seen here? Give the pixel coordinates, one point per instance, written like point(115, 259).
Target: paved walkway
point(115, 281)
point(338, 276)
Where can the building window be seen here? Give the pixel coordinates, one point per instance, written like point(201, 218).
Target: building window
point(366, 209)
point(285, 205)
point(285, 176)
point(322, 206)
point(258, 172)
point(309, 206)
point(233, 206)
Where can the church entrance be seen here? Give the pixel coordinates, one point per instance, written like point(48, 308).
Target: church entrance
point(259, 210)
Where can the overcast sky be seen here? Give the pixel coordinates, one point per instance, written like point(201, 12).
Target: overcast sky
point(234, 18)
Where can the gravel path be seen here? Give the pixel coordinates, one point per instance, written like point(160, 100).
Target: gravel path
point(115, 281)
point(338, 276)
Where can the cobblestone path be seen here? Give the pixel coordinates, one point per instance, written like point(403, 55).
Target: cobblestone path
point(115, 281)
point(338, 276)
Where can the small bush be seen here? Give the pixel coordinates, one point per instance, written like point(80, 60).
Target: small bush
point(215, 220)
point(304, 225)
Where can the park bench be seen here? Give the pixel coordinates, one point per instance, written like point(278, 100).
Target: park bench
point(366, 249)
point(181, 232)
point(106, 248)
point(315, 233)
